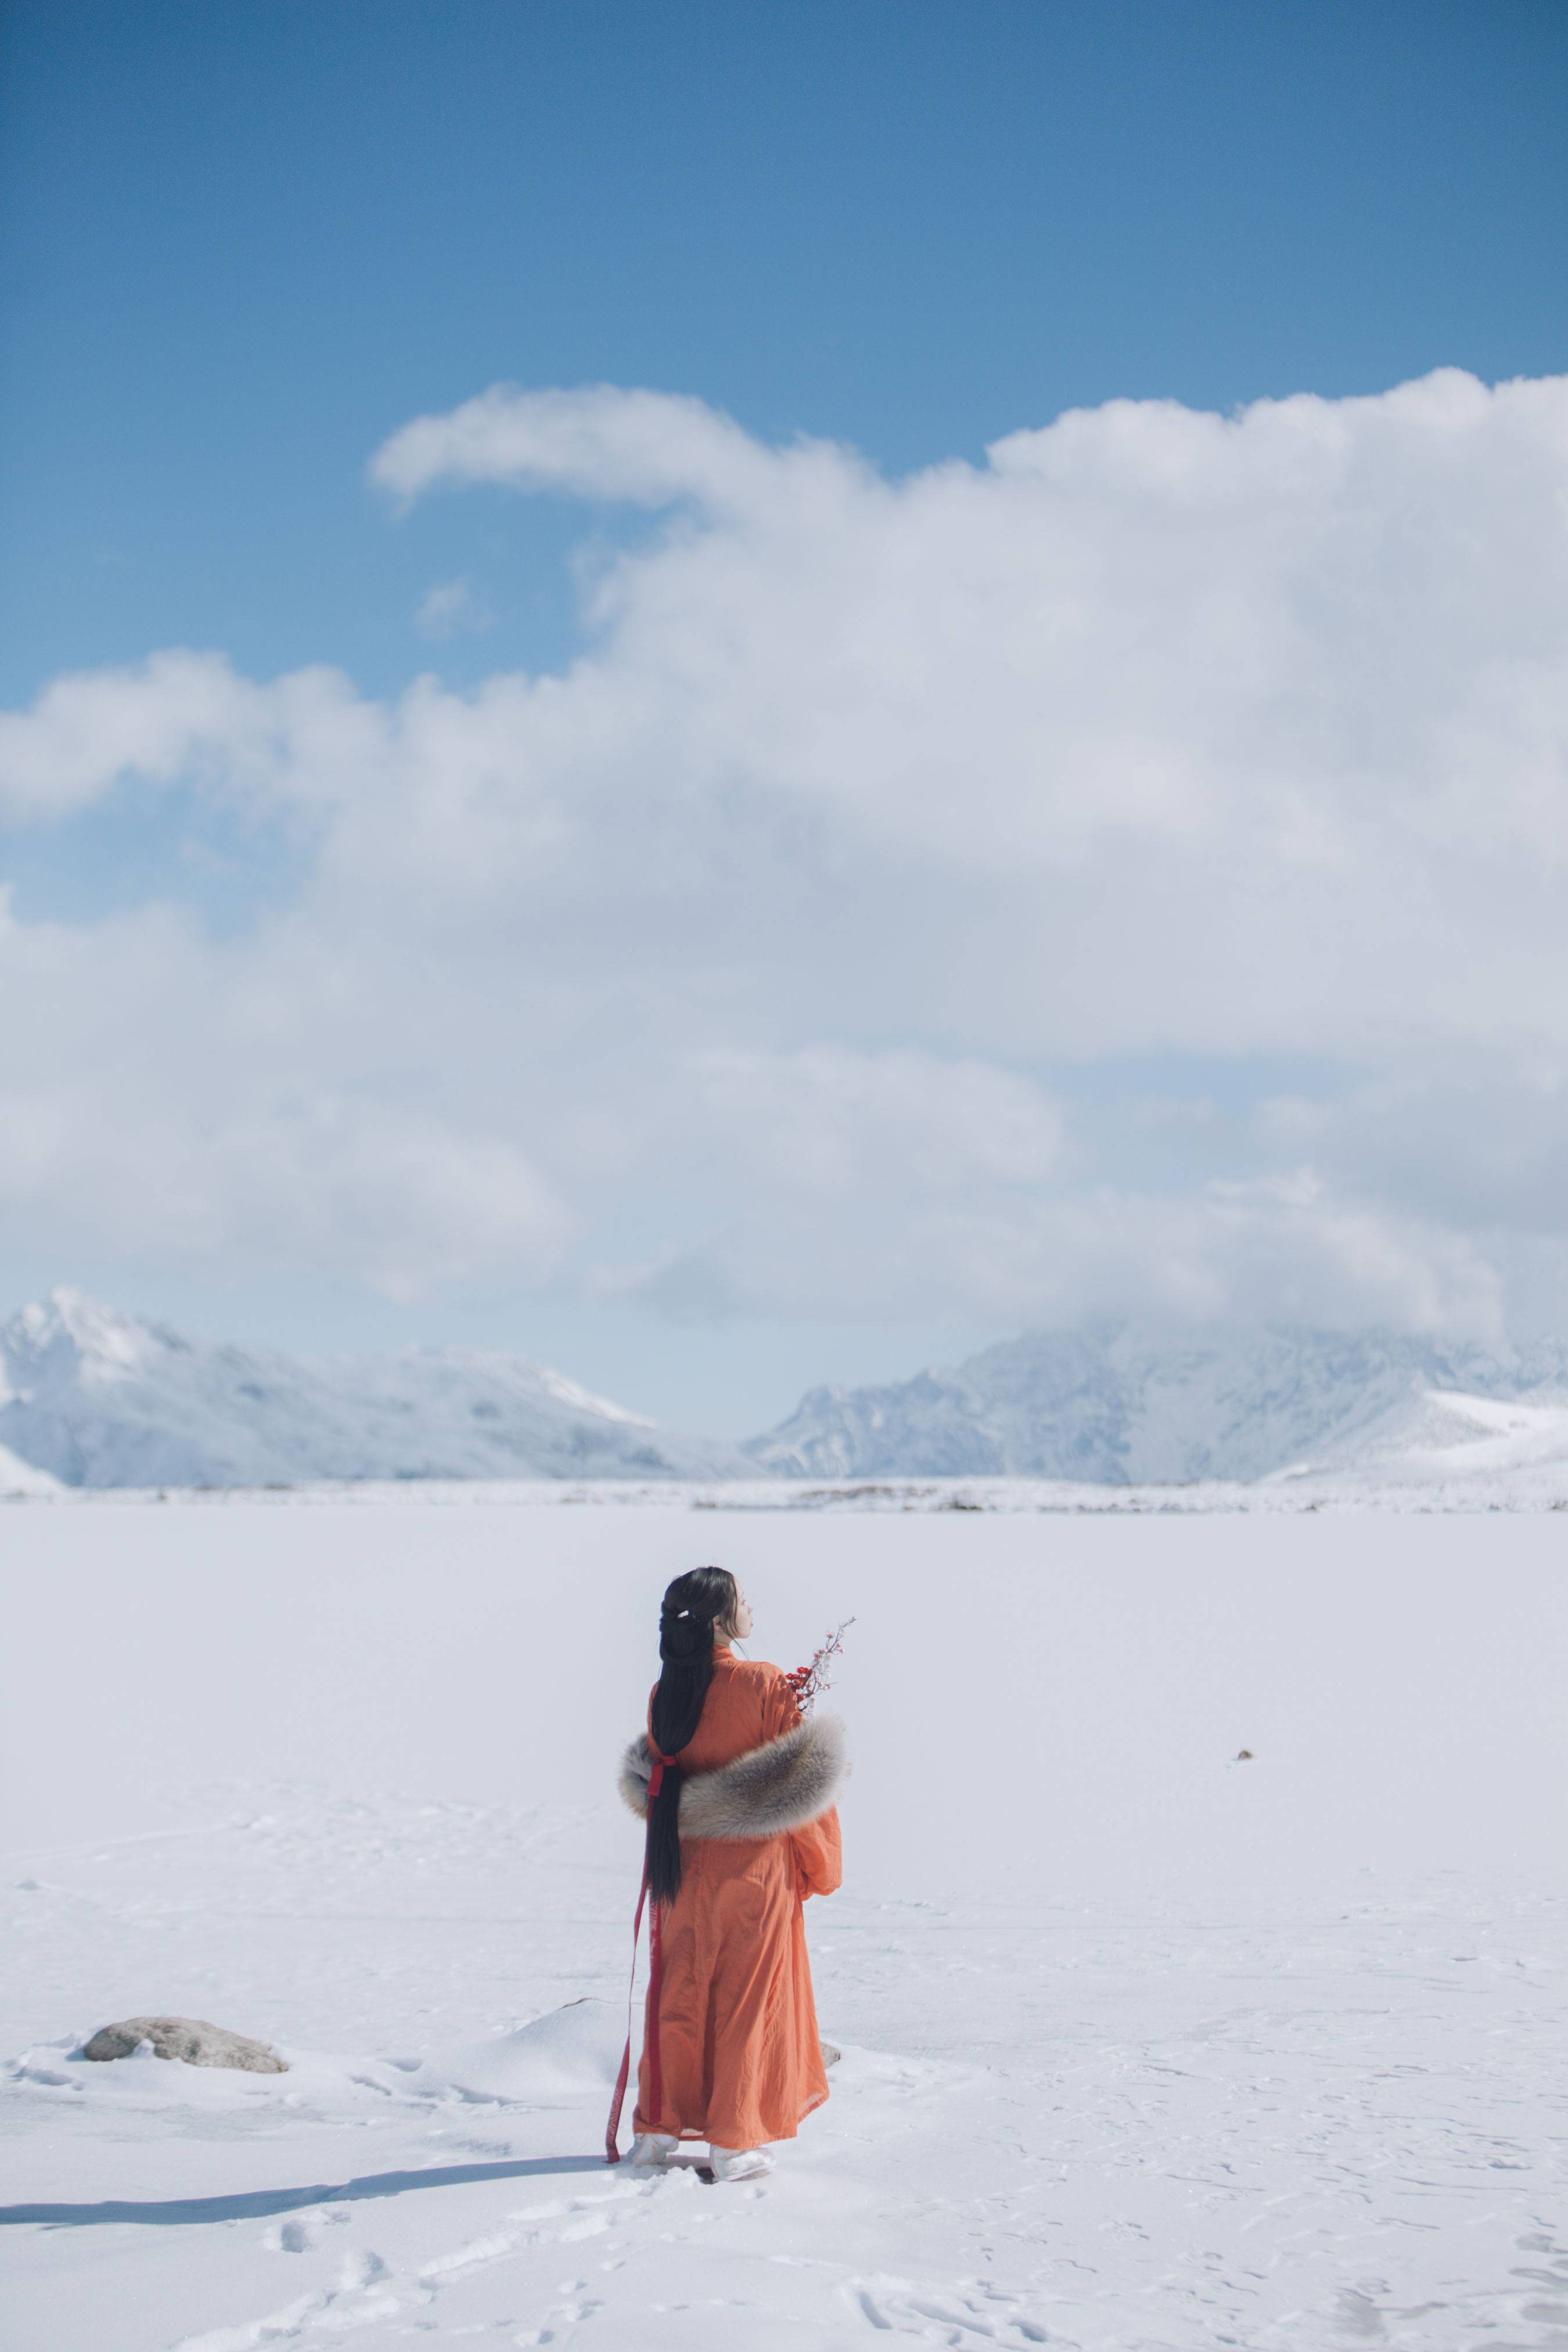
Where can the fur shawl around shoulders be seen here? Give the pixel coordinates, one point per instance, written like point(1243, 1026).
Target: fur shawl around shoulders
point(780, 1786)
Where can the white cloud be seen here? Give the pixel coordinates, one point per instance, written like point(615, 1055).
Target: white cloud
point(1283, 1248)
point(828, 1122)
point(182, 716)
point(1265, 688)
point(452, 609)
point(167, 1094)
point(1159, 733)
point(649, 447)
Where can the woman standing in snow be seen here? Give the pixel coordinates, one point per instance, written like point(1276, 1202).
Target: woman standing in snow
point(738, 1793)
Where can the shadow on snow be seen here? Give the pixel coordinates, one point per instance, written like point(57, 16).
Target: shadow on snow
point(255, 2204)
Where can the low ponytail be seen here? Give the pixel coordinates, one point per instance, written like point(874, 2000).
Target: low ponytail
point(693, 1606)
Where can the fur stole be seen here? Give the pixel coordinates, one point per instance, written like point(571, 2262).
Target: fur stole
point(780, 1786)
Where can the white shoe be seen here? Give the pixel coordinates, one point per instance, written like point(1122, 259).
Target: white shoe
point(651, 2151)
point(739, 2163)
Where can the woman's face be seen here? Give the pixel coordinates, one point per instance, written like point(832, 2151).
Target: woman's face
point(739, 1624)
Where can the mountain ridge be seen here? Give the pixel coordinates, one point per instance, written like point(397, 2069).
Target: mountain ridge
point(96, 1398)
point(1117, 1403)
point(92, 1398)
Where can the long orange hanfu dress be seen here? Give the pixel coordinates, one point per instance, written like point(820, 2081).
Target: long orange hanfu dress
point(741, 2062)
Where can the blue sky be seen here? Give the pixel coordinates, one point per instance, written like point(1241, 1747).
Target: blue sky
point(246, 245)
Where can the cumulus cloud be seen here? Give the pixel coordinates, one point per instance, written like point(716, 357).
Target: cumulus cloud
point(171, 1095)
point(647, 448)
point(791, 924)
point(1282, 1248)
point(182, 716)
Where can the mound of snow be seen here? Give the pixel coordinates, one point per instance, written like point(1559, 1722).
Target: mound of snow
point(1123, 1403)
point(574, 2049)
point(98, 1399)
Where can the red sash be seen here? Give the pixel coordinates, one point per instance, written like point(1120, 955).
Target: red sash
point(655, 1976)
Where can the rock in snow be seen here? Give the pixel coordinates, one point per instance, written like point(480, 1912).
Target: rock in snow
point(1123, 1403)
point(98, 1398)
point(191, 2039)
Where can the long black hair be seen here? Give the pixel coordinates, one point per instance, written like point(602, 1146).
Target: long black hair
point(692, 1607)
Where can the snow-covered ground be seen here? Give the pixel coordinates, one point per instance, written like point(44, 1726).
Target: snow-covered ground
point(1144, 2045)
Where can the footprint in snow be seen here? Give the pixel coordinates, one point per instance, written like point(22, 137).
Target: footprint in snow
point(973, 2313)
point(362, 2268)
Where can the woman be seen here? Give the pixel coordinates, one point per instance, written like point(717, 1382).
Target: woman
point(740, 1829)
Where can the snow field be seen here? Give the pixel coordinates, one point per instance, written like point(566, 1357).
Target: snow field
point(1144, 2046)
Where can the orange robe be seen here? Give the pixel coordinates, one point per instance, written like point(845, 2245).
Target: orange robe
point(740, 2058)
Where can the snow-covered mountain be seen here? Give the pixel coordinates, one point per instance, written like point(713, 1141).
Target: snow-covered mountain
point(1123, 1402)
point(1444, 1440)
point(19, 1478)
point(92, 1398)
point(100, 1398)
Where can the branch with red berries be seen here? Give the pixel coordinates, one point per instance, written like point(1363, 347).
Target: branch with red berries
point(805, 1681)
